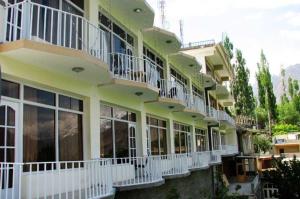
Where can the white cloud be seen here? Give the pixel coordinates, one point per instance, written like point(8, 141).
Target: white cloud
point(292, 18)
point(290, 34)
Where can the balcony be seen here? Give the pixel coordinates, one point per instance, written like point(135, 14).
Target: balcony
point(81, 179)
point(54, 40)
point(172, 96)
point(97, 178)
point(225, 118)
point(194, 106)
point(136, 172)
point(229, 150)
point(211, 115)
point(133, 76)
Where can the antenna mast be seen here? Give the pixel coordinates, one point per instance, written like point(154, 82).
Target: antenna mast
point(181, 30)
point(162, 6)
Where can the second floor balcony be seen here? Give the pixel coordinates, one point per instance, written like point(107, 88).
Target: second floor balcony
point(63, 42)
point(211, 114)
point(225, 117)
point(195, 106)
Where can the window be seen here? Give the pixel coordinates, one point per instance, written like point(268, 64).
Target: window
point(175, 76)
point(201, 139)
point(216, 140)
point(197, 92)
point(117, 132)
point(155, 59)
point(157, 136)
point(119, 39)
point(10, 89)
point(42, 141)
point(182, 136)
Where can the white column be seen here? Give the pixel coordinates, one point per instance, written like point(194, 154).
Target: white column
point(143, 135)
point(193, 139)
point(171, 136)
point(94, 124)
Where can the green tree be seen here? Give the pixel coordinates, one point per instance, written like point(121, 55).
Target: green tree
point(228, 47)
point(284, 98)
point(267, 98)
point(261, 143)
point(287, 113)
point(242, 90)
point(291, 87)
point(285, 176)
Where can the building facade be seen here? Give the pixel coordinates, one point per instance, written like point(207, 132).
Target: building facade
point(96, 100)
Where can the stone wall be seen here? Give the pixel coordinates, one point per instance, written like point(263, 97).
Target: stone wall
point(198, 185)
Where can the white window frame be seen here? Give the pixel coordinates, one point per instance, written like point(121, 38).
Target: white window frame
point(201, 135)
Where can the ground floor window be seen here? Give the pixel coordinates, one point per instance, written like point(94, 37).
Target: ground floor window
point(157, 136)
point(182, 134)
point(117, 132)
point(52, 124)
point(201, 139)
point(52, 127)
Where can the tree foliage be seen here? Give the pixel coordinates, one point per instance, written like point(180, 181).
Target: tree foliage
point(261, 143)
point(228, 46)
point(285, 176)
point(267, 99)
point(242, 90)
point(280, 129)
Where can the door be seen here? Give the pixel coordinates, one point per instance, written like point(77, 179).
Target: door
point(132, 140)
point(9, 130)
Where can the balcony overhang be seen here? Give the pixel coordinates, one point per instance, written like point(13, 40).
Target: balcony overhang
point(168, 104)
point(143, 91)
point(191, 113)
point(165, 41)
point(187, 62)
point(137, 13)
point(208, 81)
point(57, 59)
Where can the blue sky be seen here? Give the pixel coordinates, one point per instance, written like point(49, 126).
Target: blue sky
point(252, 25)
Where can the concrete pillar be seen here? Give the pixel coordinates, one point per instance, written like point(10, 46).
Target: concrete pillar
point(171, 137)
point(94, 124)
point(143, 134)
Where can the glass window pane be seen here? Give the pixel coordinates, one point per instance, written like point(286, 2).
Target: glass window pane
point(177, 142)
point(76, 104)
point(106, 139)
point(79, 3)
point(119, 113)
point(64, 102)
point(2, 115)
point(130, 40)
point(119, 31)
point(10, 116)
point(10, 89)
point(2, 137)
point(132, 117)
point(70, 136)
point(104, 20)
point(154, 121)
point(119, 45)
point(154, 141)
point(39, 96)
point(39, 134)
point(105, 111)
point(163, 142)
point(121, 139)
point(10, 140)
point(1, 155)
point(183, 145)
point(162, 123)
point(10, 155)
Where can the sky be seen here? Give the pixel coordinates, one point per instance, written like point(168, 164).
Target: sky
point(252, 25)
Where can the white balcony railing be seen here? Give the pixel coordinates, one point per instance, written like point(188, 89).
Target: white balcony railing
point(135, 69)
point(79, 179)
point(212, 112)
point(172, 90)
point(223, 116)
point(216, 156)
point(32, 21)
point(136, 171)
point(229, 149)
point(200, 160)
point(199, 104)
point(174, 164)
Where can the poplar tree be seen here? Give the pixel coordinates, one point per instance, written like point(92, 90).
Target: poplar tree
point(267, 98)
point(242, 90)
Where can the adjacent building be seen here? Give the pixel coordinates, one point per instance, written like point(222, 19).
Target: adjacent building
point(97, 102)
